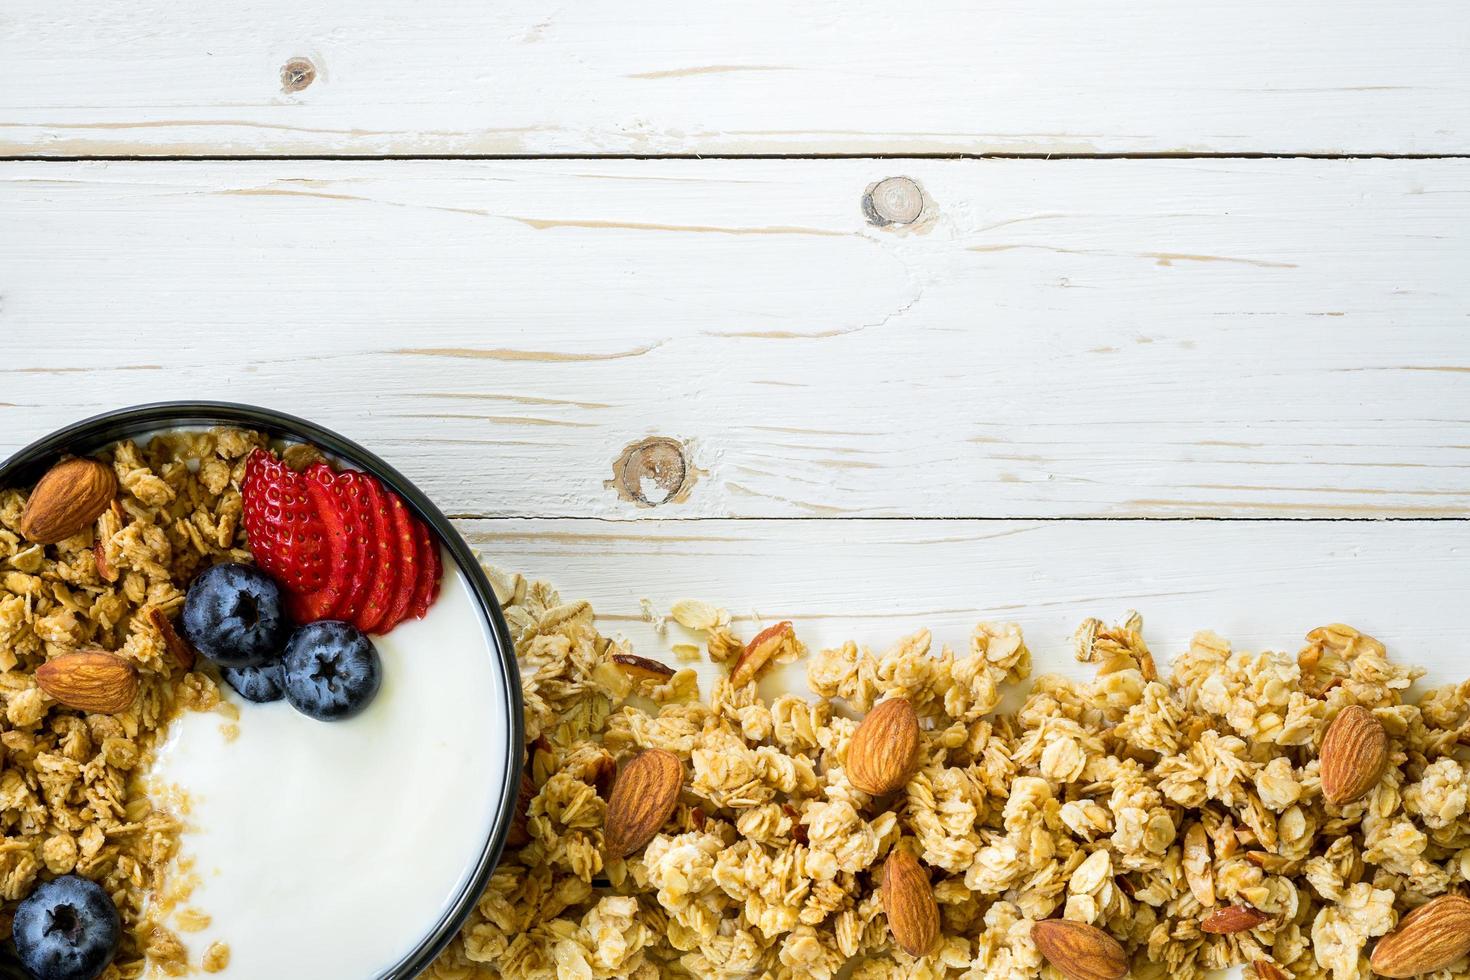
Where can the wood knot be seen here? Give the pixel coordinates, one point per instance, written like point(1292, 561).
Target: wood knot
point(296, 74)
point(653, 471)
point(893, 201)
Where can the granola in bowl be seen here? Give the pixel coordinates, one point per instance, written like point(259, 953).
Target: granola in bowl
point(223, 694)
point(1301, 815)
point(72, 794)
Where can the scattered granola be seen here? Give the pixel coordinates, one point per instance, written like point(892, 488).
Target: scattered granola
point(72, 793)
point(1181, 819)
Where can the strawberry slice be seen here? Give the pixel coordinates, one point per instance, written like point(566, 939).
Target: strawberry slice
point(431, 568)
point(408, 563)
point(357, 494)
point(285, 534)
point(340, 525)
point(385, 562)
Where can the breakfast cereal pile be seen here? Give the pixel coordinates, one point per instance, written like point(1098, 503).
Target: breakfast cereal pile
point(1274, 810)
point(72, 795)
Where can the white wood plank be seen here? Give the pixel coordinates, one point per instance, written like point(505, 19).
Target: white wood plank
point(1260, 584)
point(1052, 339)
point(659, 76)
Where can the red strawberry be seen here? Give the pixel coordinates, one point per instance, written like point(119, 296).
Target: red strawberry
point(408, 562)
point(341, 526)
point(357, 495)
point(431, 567)
point(286, 536)
point(385, 563)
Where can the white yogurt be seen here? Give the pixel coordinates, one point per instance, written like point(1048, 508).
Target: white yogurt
point(330, 849)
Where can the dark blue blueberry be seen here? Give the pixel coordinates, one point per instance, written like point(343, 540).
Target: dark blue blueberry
point(68, 929)
point(332, 670)
point(234, 615)
point(259, 684)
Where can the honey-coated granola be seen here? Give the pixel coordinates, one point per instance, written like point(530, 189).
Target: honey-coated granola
point(1183, 816)
point(72, 788)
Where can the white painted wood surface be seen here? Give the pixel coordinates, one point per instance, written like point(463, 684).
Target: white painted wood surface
point(1260, 584)
point(659, 76)
point(1052, 339)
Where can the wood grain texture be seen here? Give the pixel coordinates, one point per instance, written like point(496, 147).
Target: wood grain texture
point(1260, 584)
point(1258, 338)
point(657, 76)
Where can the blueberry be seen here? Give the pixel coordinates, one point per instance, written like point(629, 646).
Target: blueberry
point(68, 929)
point(234, 616)
point(332, 670)
point(259, 684)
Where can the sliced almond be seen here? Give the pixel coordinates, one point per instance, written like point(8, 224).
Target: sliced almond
point(90, 680)
point(181, 651)
point(71, 495)
point(1198, 870)
point(1353, 756)
point(641, 800)
point(1079, 951)
point(1266, 970)
point(109, 522)
point(908, 901)
point(1232, 918)
point(884, 749)
point(1429, 938)
point(105, 571)
point(759, 651)
point(642, 669)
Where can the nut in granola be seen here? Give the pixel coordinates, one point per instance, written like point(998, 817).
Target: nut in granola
point(641, 800)
point(908, 901)
point(1079, 951)
point(1354, 753)
point(1232, 919)
point(759, 651)
point(71, 495)
point(90, 680)
point(1429, 938)
point(884, 749)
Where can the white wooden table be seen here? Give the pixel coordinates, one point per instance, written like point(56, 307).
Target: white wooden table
point(1168, 310)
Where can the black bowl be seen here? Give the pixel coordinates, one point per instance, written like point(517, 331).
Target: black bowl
point(90, 435)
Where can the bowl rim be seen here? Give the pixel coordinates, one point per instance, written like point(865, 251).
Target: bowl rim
point(97, 431)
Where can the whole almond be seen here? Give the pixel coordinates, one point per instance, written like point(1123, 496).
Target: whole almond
point(908, 900)
point(1232, 918)
point(91, 681)
point(883, 751)
point(1354, 753)
point(1429, 938)
point(1079, 951)
point(71, 495)
point(641, 800)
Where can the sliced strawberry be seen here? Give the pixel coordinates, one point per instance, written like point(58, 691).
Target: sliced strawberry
point(340, 525)
point(357, 494)
point(285, 534)
point(408, 562)
point(385, 562)
point(431, 567)
point(308, 607)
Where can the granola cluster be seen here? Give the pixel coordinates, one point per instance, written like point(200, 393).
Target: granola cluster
point(72, 785)
point(1182, 815)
